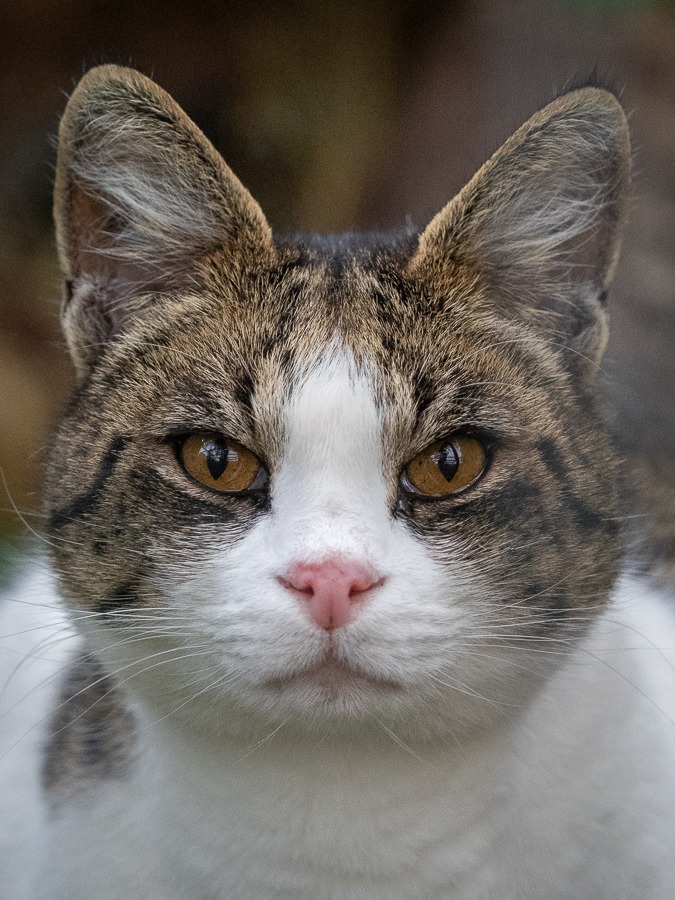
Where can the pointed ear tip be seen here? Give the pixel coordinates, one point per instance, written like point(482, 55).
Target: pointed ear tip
point(106, 75)
point(91, 83)
point(102, 89)
point(596, 103)
point(103, 82)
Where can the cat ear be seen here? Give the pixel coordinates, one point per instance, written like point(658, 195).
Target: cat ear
point(540, 224)
point(140, 193)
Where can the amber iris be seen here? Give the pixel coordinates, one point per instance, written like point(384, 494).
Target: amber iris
point(445, 467)
point(219, 464)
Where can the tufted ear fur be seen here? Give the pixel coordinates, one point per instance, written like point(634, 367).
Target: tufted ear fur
point(140, 193)
point(540, 223)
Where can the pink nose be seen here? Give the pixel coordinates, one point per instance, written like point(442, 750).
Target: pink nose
point(331, 590)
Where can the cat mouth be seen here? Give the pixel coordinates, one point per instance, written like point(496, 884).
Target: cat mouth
point(333, 677)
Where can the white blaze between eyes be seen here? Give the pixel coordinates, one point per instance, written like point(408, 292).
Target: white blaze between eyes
point(330, 499)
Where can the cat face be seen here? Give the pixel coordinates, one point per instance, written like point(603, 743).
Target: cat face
point(331, 482)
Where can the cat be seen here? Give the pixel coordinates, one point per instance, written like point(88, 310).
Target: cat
point(336, 604)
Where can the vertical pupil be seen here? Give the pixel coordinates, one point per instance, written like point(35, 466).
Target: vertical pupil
point(217, 457)
point(448, 462)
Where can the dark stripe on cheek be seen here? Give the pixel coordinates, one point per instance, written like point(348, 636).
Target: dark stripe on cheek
point(514, 504)
point(585, 517)
point(518, 505)
point(123, 597)
point(84, 503)
point(184, 507)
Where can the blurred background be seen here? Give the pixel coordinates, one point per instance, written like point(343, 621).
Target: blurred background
point(342, 116)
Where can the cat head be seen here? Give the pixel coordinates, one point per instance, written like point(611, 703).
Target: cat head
point(339, 480)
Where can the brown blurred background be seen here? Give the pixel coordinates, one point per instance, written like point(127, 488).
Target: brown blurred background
point(342, 116)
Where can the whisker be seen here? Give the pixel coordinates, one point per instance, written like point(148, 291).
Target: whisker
point(397, 740)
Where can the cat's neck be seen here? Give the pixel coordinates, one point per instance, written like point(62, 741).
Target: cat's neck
point(326, 803)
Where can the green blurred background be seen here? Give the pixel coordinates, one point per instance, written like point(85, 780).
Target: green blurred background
point(341, 116)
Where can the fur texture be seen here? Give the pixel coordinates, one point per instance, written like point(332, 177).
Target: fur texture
point(498, 714)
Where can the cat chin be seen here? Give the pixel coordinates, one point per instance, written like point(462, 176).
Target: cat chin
point(351, 706)
point(355, 712)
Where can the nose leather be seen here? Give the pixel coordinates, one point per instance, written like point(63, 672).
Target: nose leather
point(331, 591)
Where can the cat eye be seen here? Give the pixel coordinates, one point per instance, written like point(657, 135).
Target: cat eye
point(220, 464)
point(445, 467)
